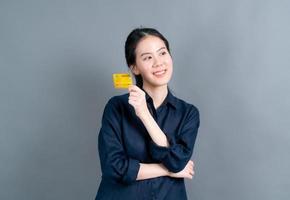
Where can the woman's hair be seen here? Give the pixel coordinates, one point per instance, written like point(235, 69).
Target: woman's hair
point(131, 43)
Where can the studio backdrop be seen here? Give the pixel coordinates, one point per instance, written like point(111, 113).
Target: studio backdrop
point(231, 60)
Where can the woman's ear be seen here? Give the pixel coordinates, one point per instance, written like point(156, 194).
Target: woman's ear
point(134, 70)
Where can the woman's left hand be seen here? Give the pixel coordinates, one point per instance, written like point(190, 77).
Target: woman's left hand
point(138, 100)
point(187, 172)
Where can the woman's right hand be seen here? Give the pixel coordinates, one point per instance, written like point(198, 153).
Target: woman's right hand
point(187, 172)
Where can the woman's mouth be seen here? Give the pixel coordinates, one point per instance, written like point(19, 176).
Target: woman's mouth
point(159, 73)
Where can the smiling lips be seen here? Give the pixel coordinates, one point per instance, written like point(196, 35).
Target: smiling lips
point(160, 72)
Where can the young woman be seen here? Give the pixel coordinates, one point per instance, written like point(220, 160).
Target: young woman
point(147, 135)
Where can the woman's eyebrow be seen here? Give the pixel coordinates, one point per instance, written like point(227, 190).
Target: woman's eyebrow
point(150, 53)
point(144, 54)
point(161, 49)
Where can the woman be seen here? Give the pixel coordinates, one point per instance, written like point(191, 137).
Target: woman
point(147, 135)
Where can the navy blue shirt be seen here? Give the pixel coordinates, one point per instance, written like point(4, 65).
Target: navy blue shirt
point(124, 143)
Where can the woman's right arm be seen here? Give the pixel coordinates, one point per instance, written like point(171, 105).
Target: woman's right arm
point(116, 165)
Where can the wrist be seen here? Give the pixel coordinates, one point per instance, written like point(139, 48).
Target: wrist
point(166, 171)
point(144, 115)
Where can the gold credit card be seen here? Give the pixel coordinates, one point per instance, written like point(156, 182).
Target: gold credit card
point(122, 80)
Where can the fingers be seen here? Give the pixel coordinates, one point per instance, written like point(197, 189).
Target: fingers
point(185, 173)
point(190, 169)
point(136, 100)
point(191, 162)
point(136, 95)
point(131, 102)
point(134, 88)
point(135, 91)
point(189, 175)
point(133, 98)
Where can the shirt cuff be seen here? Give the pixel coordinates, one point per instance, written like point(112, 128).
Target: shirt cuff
point(132, 171)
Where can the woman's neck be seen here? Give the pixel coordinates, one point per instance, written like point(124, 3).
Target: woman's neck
point(158, 94)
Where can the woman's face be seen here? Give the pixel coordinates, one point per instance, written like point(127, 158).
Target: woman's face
point(153, 62)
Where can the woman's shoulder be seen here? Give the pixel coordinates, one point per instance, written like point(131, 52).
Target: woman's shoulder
point(116, 105)
point(188, 110)
point(182, 104)
point(118, 100)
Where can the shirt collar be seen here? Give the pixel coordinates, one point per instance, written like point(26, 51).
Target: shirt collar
point(170, 99)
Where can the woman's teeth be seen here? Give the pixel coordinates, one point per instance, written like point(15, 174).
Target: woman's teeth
point(159, 72)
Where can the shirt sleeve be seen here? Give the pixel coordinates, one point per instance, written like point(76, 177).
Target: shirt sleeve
point(176, 156)
point(115, 164)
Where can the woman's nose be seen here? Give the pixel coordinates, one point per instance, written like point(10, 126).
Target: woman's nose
point(157, 62)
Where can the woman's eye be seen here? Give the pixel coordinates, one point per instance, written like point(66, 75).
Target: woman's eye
point(163, 53)
point(147, 58)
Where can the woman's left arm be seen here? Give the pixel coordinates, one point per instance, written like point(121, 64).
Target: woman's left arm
point(156, 134)
point(180, 149)
point(138, 101)
point(173, 154)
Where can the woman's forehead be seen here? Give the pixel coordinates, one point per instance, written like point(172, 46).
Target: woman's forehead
point(149, 44)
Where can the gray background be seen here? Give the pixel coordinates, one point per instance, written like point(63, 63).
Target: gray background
point(231, 59)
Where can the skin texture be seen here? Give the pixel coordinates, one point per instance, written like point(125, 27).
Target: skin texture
point(155, 65)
